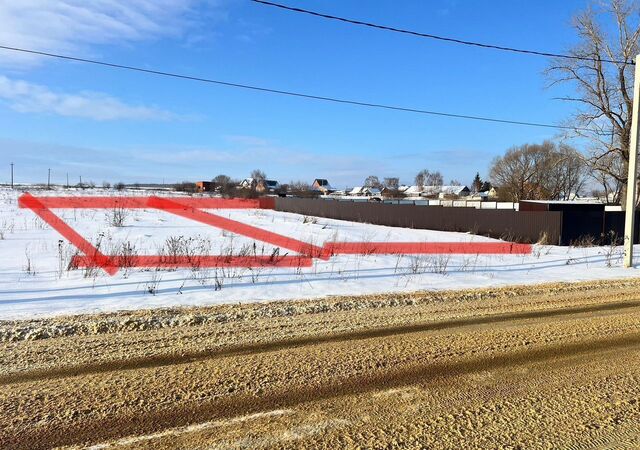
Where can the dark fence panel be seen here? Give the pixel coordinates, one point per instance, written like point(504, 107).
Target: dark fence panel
point(523, 226)
point(580, 225)
point(614, 226)
point(604, 227)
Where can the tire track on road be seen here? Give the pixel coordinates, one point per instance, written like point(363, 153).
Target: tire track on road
point(258, 348)
point(226, 407)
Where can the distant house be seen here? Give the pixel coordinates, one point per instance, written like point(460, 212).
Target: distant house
point(454, 191)
point(491, 194)
point(204, 186)
point(322, 185)
point(410, 191)
point(364, 191)
point(248, 183)
point(389, 192)
point(269, 186)
point(445, 191)
point(262, 186)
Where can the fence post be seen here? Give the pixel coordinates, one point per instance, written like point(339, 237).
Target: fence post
point(630, 210)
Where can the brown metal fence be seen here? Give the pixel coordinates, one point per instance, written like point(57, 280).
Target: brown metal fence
point(522, 226)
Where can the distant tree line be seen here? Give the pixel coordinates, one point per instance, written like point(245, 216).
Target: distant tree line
point(546, 171)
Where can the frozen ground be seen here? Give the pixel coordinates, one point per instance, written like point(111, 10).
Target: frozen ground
point(35, 279)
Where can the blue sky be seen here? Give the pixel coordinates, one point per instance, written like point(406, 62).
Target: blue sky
point(115, 125)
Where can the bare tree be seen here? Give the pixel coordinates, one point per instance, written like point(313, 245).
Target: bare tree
point(222, 180)
point(566, 173)
point(611, 187)
point(426, 178)
point(420, 178)
point(603, 89)
point(258, 175)
point(455, 182)
point(392, 183)
point(372, 181)
point(224, 184)
point(434, 179)
point(299, 186)
point(539, 171)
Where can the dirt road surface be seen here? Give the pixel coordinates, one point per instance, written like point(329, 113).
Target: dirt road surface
point(554, 366)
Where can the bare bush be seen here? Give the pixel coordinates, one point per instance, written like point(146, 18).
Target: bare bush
point(151, 286)
point(584, 241)
point(613, 252)
point(417, 264)
point(309, 219)
point(117, 216)
point(92, 270)
point(439, 263)
point(29, 269)
point(543, 239)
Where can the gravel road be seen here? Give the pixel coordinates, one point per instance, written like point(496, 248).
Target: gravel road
point(555, 366)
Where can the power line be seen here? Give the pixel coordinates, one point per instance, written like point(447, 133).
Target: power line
point(439, 38)
point(291, 93)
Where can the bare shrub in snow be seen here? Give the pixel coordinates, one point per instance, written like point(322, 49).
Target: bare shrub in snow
point(613, 252)
point(309, 219)
point(540, 250)
point(66, 253)
point(28, 267)
point(117, 216)
point(151, 286)
point(543, 239)
point(6, 227)
point(439, 263)
point(584, 241)
point(91, 270)
point(417, 264)
point(127, 255)
point(470, 263)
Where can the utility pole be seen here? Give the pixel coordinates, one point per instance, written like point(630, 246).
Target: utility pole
point(11, 175)
point(67, 180)
point(630, 211)
point(49, 179)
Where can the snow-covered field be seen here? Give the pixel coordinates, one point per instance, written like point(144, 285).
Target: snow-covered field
point(35, 279)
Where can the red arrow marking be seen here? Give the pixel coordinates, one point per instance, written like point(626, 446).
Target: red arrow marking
point(189, 208)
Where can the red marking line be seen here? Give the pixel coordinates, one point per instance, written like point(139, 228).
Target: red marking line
point(144, 202)
point(393, 248)
point(205, 261)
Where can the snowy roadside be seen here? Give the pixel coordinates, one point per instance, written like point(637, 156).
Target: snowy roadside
point(35, 280)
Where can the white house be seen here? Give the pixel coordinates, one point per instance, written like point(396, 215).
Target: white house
point(364, 191)
point(248, 183)
point(410, 191)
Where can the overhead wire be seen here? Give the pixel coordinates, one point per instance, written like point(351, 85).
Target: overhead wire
point(287, 92)
point(438, 37)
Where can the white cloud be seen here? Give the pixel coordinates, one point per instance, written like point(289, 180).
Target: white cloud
point(71, 26)
point(33, 98)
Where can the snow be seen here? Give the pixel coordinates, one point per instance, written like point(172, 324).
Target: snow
point(35, 282)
